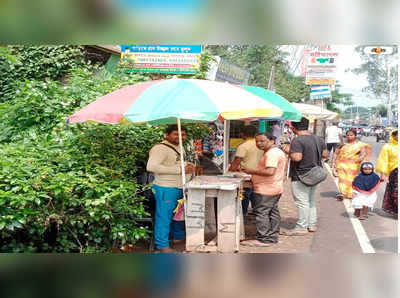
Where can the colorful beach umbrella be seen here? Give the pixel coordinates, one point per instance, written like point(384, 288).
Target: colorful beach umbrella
point(165, 101)
point(176, 100)
point(289, 111)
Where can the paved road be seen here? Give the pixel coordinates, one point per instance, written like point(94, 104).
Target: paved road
point(337, 228)
point(382, 230)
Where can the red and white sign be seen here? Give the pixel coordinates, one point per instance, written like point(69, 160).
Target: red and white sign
point(321, 68)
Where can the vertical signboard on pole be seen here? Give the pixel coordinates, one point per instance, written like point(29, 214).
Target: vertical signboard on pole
point(320, 92)
point(321, 68)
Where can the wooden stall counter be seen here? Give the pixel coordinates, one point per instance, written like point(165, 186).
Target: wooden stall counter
point(230, 230)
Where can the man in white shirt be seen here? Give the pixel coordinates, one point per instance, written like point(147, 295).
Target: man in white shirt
point(333, 137)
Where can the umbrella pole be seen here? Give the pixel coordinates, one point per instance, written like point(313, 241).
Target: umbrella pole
point(182, 161)
point(226, 145)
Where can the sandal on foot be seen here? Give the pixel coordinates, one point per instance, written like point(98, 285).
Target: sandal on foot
point(255, 243)
point(312, 229)
point(339, 197)
point(294, 233)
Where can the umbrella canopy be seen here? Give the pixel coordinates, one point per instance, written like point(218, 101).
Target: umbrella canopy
point(163, 101)
point(289, 111)
point(312, 112)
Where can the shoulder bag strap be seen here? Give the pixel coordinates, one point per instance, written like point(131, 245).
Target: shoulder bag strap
point(318, 151)
point(319, 159)
point(169, 146)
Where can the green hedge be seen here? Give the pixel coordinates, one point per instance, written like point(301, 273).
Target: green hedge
point(82, 181)
point(21, 62)
point(75, 185)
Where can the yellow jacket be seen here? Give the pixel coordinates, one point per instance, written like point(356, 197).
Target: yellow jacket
point(388, 158)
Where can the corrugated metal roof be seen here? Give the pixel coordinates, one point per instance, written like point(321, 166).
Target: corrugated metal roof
point(109, 48)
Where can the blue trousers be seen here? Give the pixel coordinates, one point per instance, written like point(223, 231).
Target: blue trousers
point(166, 202)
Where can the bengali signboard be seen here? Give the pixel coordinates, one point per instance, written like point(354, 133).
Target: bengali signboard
point(174, 59)
point(321, 68)
point(223, 71)
point(311, 81)
point(320, 91)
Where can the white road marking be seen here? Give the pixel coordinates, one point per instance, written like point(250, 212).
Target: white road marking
point(362, 237)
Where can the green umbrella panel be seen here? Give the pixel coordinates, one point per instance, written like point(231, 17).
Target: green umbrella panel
point(289, 111)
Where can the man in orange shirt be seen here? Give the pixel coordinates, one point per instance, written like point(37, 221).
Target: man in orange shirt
point(267, 181)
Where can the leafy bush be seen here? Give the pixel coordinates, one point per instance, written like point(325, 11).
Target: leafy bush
point(36, 63)
point(81, 181)
point(42, 105)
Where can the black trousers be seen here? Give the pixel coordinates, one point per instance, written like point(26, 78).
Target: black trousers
point(268, 218)
point(332, 146)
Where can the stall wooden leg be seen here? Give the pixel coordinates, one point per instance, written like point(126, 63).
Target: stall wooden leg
point(194, 219)
point(227, 204)
point(239, 222)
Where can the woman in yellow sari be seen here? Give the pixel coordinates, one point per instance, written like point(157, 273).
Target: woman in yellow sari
point(347, 161)
point(387, 167)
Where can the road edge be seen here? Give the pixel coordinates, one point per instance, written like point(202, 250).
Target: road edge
point(362, 236)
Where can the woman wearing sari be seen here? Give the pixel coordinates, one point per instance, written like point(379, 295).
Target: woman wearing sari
point(387, 167)
point(347, 161)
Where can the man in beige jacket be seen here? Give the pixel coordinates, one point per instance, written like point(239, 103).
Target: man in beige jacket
point(164, 162)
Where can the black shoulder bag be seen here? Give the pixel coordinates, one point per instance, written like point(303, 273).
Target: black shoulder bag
point(317, 174)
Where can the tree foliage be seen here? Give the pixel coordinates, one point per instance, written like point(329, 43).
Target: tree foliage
point(339, 98)
point(37, 63)
point(259, 60)
point(376, 68)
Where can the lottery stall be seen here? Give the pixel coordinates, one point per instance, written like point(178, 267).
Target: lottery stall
point(177, 101)
point(204, 213)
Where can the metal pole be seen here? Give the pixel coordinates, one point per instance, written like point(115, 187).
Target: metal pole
point(351, 112)
point(182, 161)
point(271, 79)
point(226, 145)
point(389, 110)
point(358, 115)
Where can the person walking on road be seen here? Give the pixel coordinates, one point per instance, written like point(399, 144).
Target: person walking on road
point(333, 137)
point(364, 190)
point(247, 156)
point(306, 151)
point(346, 163)
point(267, 181)
point(387, 167)
point(164, 162)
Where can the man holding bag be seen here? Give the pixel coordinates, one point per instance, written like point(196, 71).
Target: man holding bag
point(306, 170)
